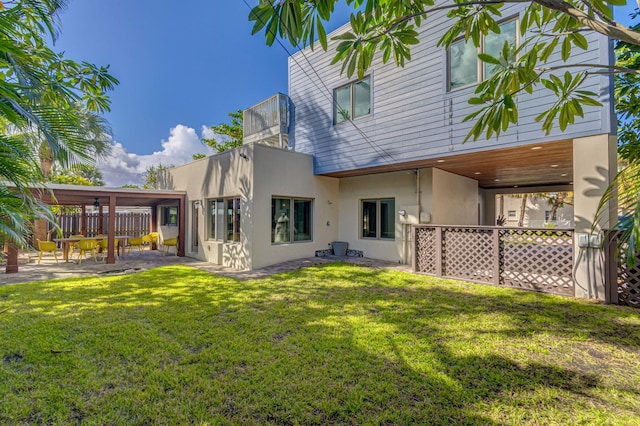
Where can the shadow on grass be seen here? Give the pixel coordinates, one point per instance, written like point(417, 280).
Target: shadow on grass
point(327, 344)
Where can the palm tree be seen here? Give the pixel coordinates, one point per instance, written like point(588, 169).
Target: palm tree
point(39, 95)
point(557, 200)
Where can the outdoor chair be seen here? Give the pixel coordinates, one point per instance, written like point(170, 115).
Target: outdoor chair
point(47, 247)
point(87, 247)
point(170, 242)
point(146, 241)
point(103, 245)
point(154, 238)
point(135, 242)
point(74, 244)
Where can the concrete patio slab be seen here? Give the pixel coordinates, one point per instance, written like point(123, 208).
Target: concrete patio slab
point(48, 269)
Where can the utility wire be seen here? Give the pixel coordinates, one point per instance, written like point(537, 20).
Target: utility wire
point(327, 92)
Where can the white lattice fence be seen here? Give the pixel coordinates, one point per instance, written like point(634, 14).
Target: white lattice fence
point(534, 259)
point(425, 239)
point(469, 254)
point(538, 260)
point(624, 277)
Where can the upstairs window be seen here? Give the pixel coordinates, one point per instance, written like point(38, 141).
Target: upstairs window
point(464, 66)
point(352, 101)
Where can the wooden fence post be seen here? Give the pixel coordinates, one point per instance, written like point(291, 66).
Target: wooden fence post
point(611, 268)
point(414, 239)
point(497, 256)
point(438, 256)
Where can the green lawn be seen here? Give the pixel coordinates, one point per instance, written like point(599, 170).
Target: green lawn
point(333, 344)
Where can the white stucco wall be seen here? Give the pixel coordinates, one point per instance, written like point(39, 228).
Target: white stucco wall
point(255, 173)
point(286, 174)
point(455, 199)
point(398, 185)
point(229, 174)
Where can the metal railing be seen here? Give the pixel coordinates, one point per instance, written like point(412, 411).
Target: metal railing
point(272, 112)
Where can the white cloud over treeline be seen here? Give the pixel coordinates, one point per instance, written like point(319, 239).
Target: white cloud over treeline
point(123, 167)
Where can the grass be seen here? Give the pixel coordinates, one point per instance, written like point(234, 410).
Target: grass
point(333, 344)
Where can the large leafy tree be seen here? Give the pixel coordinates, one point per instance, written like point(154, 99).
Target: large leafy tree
point(42, 93)
point(151, 174)
point(229, 134)
point(78, 174)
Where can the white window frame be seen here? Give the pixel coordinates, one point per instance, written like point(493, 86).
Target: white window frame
point(292, 203)
point(221, 224)
point(378, 219)
point(479, 64)
point(352, 86)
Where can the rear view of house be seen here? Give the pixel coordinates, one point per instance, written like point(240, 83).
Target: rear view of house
point(364, 160)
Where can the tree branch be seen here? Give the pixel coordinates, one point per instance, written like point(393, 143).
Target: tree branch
point(579, 30)
point(602, 16)
point(611, 68)
point(411, 16)
point(613, 30)
point(609, 28)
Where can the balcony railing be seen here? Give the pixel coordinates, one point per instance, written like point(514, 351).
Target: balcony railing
point(268, 122)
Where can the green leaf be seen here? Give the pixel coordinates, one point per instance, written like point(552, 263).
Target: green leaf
point(485, 57)
point(322, 35)
point(566, 49)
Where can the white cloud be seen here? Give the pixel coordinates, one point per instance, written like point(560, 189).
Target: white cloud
point(123, 167)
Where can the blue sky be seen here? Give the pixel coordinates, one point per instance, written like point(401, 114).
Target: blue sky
point(182, 68)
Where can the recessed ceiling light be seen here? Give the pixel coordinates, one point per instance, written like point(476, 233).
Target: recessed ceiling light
point(515, 186)
point(554, 165)
point(477, 173)
point(440, 161)
point(563, 175)
point(497, 180)
point(536, 147)
point(571, 183)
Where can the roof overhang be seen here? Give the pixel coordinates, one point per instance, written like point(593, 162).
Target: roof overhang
point(74, 195)
point(522, 166)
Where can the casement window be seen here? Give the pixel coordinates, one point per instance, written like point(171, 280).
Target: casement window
point(169, 216)
point(352, 100)
point(464, 67)
point(224, 219)
point(291, 220)
point(378, 218)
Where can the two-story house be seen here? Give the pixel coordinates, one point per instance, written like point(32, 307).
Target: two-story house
point(361, 160)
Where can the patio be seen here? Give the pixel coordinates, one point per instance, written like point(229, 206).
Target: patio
point(111, 198)
point(48, 269)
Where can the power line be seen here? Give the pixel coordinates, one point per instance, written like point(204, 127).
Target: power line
point(327, 92)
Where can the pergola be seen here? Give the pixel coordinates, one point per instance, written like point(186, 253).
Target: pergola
point(82, 196)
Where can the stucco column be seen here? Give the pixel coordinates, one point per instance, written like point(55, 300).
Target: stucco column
point(594, 168)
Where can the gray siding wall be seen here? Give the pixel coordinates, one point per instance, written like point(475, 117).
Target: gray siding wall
point(413, 116)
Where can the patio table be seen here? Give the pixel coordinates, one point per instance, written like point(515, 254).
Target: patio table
point(122, 239)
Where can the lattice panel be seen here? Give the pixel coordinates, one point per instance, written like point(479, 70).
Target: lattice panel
point(468, 254)
point(538, 260)
point(628, 280)
point(426, 250)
